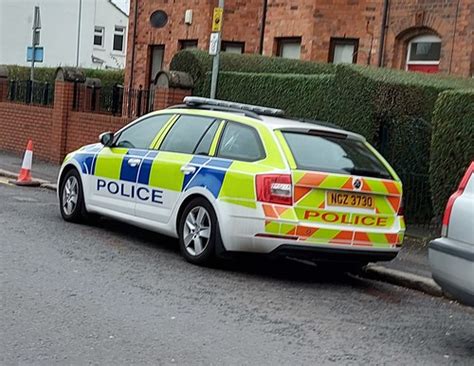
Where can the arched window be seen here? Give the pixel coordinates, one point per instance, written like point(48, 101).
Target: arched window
point(423, 54)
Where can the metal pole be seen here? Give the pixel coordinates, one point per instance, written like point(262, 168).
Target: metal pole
point(215, 61)
point(32, 70)
point(78, 33)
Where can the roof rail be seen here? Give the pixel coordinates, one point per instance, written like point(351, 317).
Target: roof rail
point(224, 105)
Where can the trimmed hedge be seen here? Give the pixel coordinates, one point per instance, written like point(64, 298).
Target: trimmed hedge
point(46, 74)
point(305, 96)
point(452, 144)
point(198, 63)
point(394, 103)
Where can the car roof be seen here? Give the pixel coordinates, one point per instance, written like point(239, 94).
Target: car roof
point(274, 123)
point(279, 123)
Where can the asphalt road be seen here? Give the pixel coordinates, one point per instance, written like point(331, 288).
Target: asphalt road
point(111, 294)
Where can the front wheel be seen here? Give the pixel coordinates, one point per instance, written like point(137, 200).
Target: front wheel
point(198, 232)
point(71, 197)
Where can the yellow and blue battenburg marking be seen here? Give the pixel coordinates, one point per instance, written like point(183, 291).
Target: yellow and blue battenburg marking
point(210, 174)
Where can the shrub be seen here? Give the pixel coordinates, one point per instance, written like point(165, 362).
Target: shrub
point(304, 96)
point(46, 74)
point(452, 144)
point(198, 63)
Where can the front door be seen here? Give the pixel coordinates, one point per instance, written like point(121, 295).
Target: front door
point(119, 168)
point(181, 153)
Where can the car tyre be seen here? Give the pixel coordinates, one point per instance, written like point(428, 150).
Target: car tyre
point(198, 231)
point(71, 197)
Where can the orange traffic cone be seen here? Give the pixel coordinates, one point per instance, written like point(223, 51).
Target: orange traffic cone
point(24, 177)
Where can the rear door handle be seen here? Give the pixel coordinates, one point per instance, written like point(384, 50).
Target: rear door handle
point(134, 162)
point(188, 169)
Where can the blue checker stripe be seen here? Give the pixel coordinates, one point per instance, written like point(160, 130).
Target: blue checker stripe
point(127, 172)
point(207, 176)
point(137, 152)
point(219, 163)
point(86, 161)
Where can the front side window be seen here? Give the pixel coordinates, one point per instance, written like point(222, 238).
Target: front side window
point(289, 47)
point(240, 142)
point(343, 50)
point(119, 37)
point(141, 134)
point(99, 36)
point(326, 153)
point(186, 134)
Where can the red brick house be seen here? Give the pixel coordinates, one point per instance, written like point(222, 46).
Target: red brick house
point(419, 35)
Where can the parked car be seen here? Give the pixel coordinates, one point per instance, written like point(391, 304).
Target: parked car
point(228, 177)
point(452, 255)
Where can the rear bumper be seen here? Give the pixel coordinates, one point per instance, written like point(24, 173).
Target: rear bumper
point(330, 254)
point(452, 266)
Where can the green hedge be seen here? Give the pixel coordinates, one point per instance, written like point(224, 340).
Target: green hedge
point(402, 103)
point(46, 74)
point(305, 96)
point(452, 144)
point(198, 63)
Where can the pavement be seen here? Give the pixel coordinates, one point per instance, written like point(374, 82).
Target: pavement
point(107, 293)
point(410, 268)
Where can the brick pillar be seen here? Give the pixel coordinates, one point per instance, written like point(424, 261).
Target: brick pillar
point(63, 104)
point(3, 83)
point(170, 88)
point(63, 98)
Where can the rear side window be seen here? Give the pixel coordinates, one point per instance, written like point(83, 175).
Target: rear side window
point(140, 135)
point(186, 134)
point(240, 142)
point(334, 154)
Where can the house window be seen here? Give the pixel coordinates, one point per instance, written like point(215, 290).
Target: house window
point(343, 50)
point(119, 37)
point(233, 47)
point(289, 47)
point(423, 54)
point(99, 36)
point(187, 44)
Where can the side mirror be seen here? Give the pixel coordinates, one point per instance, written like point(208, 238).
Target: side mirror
point(106, 138)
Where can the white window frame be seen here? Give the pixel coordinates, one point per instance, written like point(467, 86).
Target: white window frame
point(424, 38)
point(100, 33)
point(121, 32)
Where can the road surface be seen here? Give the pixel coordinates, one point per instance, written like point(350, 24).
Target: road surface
point(110, 294)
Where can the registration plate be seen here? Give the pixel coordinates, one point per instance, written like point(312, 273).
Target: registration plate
point(349, 200)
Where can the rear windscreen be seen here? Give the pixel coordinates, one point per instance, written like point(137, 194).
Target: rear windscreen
point(334, 154)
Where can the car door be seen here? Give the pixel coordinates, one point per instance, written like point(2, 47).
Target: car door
point(117, 168)
point(182, 152)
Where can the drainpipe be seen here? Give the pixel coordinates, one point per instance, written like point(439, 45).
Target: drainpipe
point(383, 29)
point(454, 36)
point(132, 63)
point(262, 28)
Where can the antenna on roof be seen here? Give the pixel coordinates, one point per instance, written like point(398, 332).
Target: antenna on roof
point(207, 103)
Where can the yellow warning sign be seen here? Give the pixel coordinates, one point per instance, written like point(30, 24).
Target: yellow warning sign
point(217, 19)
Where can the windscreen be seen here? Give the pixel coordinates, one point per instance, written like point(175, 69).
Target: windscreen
point(327, 153)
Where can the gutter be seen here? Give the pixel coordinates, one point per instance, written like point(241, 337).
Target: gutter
point(262, 28)
point(383, 30)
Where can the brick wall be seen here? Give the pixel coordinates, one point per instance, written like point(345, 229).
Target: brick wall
point(19, 123)
point(59, 129)
point(315, 22)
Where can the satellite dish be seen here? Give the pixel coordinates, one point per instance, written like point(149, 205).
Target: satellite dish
point(158, 19)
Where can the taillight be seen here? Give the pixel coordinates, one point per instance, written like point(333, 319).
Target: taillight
point(454, 196)
point(274, 188)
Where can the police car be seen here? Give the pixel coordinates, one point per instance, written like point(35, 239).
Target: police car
point(226, 177)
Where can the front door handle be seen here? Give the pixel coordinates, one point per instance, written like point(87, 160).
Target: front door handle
point(188, 169)
point(134, 162)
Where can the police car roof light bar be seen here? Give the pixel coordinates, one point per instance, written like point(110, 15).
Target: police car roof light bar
point(198, 102)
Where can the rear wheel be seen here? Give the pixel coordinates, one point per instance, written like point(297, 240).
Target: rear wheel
point(71, 197)
point(198, 232)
